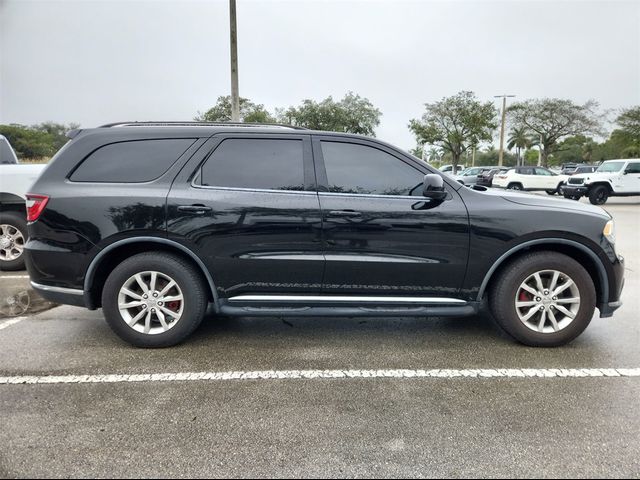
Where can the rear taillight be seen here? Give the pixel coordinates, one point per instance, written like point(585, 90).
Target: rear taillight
point(35, 206)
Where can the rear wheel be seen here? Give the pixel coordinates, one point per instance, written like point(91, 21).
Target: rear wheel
point(544, 299)
point(551, 192)
point(154, 300)
point(13, 236)
point(514, 186)
point(599, 195)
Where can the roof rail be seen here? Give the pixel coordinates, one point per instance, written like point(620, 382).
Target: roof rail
point(199, 124)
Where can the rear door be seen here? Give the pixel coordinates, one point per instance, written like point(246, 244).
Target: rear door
point(545, 179)
point(250, 210)
point(381, 236)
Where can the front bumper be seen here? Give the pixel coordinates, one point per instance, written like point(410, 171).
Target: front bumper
point(575, 190)
point(616, 284)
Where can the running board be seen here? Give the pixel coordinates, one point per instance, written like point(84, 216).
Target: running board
point(345, 306)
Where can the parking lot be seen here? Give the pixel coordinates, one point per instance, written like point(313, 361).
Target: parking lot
point(318, 397)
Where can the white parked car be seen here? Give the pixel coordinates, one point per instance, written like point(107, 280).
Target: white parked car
point(531, 179)
point(449, 169)
point(15, 181)
point(613, 178)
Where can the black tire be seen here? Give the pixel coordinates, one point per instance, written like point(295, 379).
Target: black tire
point(502, 298)
point(190, 282)
point(551, 192)
point(599, 195)
point(19, 223)
point(514, 186)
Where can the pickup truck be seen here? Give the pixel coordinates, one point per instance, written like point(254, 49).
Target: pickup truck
point(613, 178)
point(15, 180)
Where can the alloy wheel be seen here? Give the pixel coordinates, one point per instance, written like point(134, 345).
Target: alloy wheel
point(151, 302)
point(11, 243)
point(547, 301)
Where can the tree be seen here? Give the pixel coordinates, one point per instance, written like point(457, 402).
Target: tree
point(456, 124)
point(352, 114)
point(519, 138)
point(553, 119)
point(249, 112)
point(58, 132)
point(629, 121)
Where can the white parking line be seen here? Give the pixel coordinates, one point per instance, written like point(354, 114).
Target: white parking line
point(14, 276)
point(8, 323)
point(481, 374)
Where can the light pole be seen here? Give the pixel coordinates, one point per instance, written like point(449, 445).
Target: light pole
point(235, 95)
point(504, 115)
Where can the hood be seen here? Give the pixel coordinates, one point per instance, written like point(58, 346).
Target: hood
point(556, 203)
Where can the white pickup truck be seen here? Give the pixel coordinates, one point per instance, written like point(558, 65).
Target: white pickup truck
point(15, 181)
point(613, 178)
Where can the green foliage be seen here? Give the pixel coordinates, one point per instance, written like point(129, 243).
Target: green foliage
point(578, 149)
point(521, 139)
point(490, 157)
point(554, 119)
point(455, 124)
point(530, 157)
point(352, 114)
point(629, 121)
point(38, 141)
point(249, 112)
point(619, 145)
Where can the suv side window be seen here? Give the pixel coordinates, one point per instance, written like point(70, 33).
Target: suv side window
point(525, 171)
point(131, 162)
point(361, 169)
point(543, 171)
point(633, 167)
point(256, 163)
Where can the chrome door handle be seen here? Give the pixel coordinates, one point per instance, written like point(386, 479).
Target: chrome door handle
point(195, 209)
point(344, 213)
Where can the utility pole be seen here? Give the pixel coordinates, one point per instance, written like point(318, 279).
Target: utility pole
point(235, 95)
point(540, 152)
point(504, 116)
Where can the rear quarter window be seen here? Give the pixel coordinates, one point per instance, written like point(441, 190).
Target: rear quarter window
point(131, 162)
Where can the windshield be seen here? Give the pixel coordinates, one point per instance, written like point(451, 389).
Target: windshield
point(610, 167)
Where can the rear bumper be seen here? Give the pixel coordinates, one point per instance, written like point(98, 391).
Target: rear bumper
point(66, 296)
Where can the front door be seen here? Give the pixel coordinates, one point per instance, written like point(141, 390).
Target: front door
point(381, 236)
point(631, 178)
point(250, 210)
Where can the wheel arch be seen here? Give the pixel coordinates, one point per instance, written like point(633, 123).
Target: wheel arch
point(108, 258)
point(579, 252)
point(601, 183)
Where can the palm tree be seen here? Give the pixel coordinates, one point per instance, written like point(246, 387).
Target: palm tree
point(519, 138)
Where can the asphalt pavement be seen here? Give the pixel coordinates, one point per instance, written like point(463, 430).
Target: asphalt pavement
point(317, 397)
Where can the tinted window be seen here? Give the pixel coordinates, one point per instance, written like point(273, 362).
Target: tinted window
point(542, 171)
point(130, 162)
point(353, 168)
point(633, 168)
point(256, 163)
point(526, 171)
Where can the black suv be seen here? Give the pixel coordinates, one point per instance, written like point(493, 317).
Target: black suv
point(154, 222)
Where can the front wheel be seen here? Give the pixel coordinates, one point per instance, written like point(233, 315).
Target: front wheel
point(550, 192)
point(154, 299)
point(599, 195)
point(543, 299)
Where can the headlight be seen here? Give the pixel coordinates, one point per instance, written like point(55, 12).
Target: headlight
point(609, 232)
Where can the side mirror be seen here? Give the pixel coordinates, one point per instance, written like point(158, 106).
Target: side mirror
point(434, 187)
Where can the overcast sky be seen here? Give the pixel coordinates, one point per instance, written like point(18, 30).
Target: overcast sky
point(95, 62)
